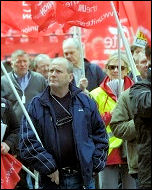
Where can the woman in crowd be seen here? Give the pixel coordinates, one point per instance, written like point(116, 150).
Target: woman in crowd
point(106, 97)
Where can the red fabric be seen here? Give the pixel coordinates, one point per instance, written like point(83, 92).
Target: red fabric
point(43, 13)
point(106, 118)
point(10, 168)
point(134, 9)
point(38, 15)
point(115, 157)
point(27, 23)
point(127, 84)
point(86, 14)
point(16, 14)
point(103, 38)
point(92, 14)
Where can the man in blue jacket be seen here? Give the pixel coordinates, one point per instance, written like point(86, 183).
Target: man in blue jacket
point(73, 135)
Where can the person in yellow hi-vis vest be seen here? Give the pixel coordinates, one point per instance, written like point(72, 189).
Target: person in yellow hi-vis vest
point(106, 97)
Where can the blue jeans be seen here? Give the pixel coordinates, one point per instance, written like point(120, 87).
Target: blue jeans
point(74, 181)
point(67, 181)
point(71, 181)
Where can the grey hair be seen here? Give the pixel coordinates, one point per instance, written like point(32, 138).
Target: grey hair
point(69, 65)
point(72, 41)
point(41, 57)
point(17, 53)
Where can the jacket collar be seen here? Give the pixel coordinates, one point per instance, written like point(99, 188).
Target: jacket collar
point(45, 96)
point(127, 84)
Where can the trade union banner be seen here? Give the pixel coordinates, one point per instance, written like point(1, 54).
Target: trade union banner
point(41, 26)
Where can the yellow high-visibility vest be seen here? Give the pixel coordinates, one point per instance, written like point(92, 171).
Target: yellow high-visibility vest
point(106, 104)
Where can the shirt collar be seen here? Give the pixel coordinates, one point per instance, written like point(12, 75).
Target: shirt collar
point(18, 77)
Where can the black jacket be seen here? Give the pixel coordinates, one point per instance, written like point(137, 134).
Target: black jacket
point(8, 117)
point(94, 74)
point(140, 96)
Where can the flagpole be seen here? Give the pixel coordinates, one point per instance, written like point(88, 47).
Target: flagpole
point(36, 176)
point(20, 102)
point(129, 55)
point(77, 34)
point(81, 52)
point(119, 64)
point(74, 31)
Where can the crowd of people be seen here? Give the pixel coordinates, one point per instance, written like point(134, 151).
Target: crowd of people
point(93, 123)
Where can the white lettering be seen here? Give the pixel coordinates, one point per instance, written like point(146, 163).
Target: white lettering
point(46, 7)
point(108, 42)
point(115, 39)
point(30, 29)
point(94, 21)
point(111, 42)
point(71, 3)
point(84, 8)
point(26, 16)
point(24, 3)
point(40, 2)
point(27, 10)
point(108, 14)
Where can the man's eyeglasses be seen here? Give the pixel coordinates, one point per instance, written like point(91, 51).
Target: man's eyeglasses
point(113, 67)
point(63, 121)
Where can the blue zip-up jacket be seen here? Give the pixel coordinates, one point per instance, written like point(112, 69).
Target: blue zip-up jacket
point(89, 134)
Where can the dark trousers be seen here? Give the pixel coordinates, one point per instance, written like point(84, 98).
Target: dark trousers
point(70, 181)
point(67, 181)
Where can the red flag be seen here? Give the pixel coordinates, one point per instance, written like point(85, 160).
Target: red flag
point(43, 13)
point(16, 15)
point(10, 168)
point(85, 14)
point(139, 16)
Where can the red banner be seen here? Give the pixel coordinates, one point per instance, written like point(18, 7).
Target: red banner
point(85, 14)
point(139, 16)
point(10, 168)
point(16, 15)
point(43, 13)
point(32, 17)
point(16, 19)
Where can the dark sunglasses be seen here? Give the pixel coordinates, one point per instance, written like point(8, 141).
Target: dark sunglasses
point(112, 67)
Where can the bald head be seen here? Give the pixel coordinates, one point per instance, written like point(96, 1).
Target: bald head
point(64, 61)
point(60, 76)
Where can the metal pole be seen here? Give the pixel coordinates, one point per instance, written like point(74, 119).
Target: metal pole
point(20, 102)
point(36, 179)
point(129, 55)
point(119, 64)
point(81, 51)
point(29, 120)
